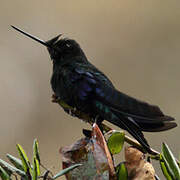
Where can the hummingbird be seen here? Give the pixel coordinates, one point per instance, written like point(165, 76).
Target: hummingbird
point(84, 87)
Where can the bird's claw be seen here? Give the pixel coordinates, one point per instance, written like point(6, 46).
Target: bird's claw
point(55, 99)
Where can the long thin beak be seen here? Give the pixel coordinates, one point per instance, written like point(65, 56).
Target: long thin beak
point(32, 37)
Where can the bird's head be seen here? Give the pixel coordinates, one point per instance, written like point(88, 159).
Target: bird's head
point(60, 49)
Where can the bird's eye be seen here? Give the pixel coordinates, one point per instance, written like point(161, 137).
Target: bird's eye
point(68, 45)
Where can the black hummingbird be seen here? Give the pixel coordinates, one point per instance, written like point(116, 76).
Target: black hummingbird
point(82, 86)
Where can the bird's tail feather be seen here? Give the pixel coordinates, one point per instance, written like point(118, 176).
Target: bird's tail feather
point(157, 127)
point(155, 124)
point(124, 123)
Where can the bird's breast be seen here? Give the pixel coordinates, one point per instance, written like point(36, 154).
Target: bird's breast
point(60, 86)
point(70, 88)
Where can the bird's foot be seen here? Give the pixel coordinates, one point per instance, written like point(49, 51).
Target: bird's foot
point(73, 112)
point(55, 99)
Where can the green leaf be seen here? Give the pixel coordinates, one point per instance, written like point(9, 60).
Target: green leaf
point(171, 161)
point(15, 161)
point(24, 158)
point(3, 174)
point(36, 150)
point(122, 173)
point(115, 142)
point(11, 168)
point(64, 171)
point(165, 168)
point(36, 169)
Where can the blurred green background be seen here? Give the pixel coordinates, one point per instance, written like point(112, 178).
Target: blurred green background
point(136, 43)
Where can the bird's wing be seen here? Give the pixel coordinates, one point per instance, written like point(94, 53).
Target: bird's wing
point(117, 100)
point(148, 117)
point(142, 112)
point(88, 87)
point(118, 108)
